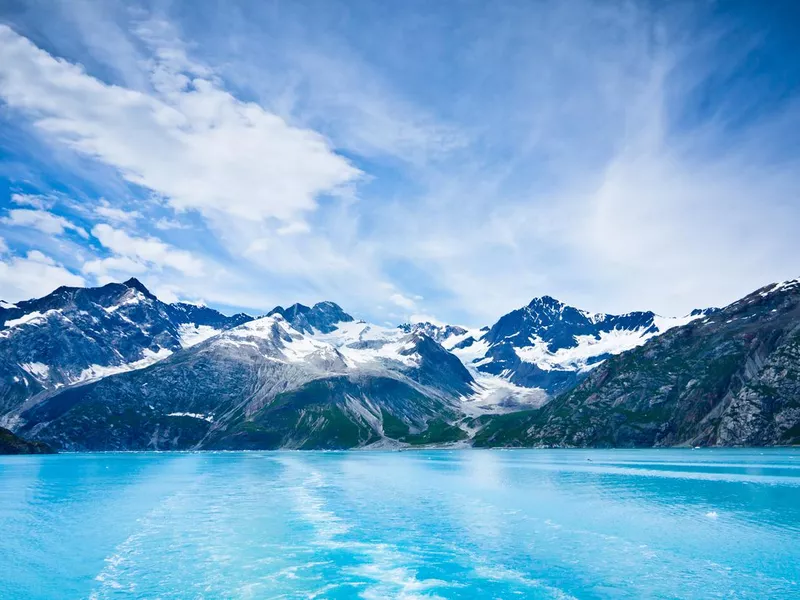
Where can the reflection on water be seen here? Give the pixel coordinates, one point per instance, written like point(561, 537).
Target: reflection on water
point(437, 524)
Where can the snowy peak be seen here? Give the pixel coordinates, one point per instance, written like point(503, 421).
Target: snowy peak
point(87, 299)
point(549, 344)
point(322, 317)
point(441, 333)
point(547, 305)
point(353, 349)
point(74, 335)
point(137, 285)
point(182, 312)
point(274, 339)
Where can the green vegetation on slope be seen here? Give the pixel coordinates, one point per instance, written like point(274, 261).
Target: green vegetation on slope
point(12, 444)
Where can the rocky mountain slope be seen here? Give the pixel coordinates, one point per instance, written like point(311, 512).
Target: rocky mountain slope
point(13, 444)
point(544, 348)
point(75, 335)
point(264, 384)
point(729, 378)
point(114, 368)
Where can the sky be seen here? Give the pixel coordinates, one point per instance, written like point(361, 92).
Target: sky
point(412, 160)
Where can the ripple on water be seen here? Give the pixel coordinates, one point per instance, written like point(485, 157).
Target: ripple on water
point(532, 524)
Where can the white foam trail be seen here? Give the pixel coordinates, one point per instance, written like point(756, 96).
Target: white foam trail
point(500, 573)
point(383, 564)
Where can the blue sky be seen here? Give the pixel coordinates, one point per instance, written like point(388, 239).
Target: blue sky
point(407, 160)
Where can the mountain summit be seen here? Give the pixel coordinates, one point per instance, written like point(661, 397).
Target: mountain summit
point(322, 317)
point(549, 345)
point(74, 335)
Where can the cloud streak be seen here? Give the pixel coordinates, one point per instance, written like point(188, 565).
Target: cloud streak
point(190, 141)
point(438, 162)
point(43, 221)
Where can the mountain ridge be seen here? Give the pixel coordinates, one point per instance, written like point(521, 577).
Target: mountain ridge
point(77, 334)
point(188, 377)
point(547, 344)
point(220, 392)
point(730, 378)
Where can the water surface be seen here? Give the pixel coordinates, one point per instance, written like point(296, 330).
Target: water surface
point(438, 524)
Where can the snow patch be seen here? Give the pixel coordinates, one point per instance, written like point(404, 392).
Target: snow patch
point(191, 334)
point(99, 371)
point(788, 284)
point(135, 297)
point(37, 369)
point(587, 347)
point(301, 347)
point(237, 343)
point(32, 318)
point(473, 353)
point(362, 343)
point(209, 418)
point(494, 393)
point(263, 328)
point(666, 323)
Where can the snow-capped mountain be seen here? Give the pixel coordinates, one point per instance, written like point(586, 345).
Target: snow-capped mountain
point(323, 317)
point(546, 345)
point(731, 378)
point(265, 384)
point(75, 335)
point(440, 333)
point(489, 393)
point(113, 367)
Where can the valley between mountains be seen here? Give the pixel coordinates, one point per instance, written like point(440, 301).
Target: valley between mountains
point(115, 368)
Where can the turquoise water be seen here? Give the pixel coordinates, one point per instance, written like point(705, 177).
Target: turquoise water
point(438, 524)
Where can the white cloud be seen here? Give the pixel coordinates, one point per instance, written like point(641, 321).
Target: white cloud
point(33, 276)
point(424, 318)
point(166, 294)
point(115, 214)
point(122, 265)
point(622, 196)
point(131, 252)
point(41, 220)
point(165, 224)
point(610, 198)
point(360, 108)
point(294, 228)
point(254, 178)
point(190, 140)
point(403, 301)
point(37, 201)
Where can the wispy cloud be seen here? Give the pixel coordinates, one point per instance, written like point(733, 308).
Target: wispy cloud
point(443, 162)
point(116, 215)
point(169, 142)
point(138, 253)
point(43, 221)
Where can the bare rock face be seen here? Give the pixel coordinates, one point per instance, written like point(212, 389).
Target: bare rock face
point(730, 378)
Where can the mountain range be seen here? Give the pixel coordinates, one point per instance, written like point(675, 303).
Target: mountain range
point(731, 378)
point(115, 368)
